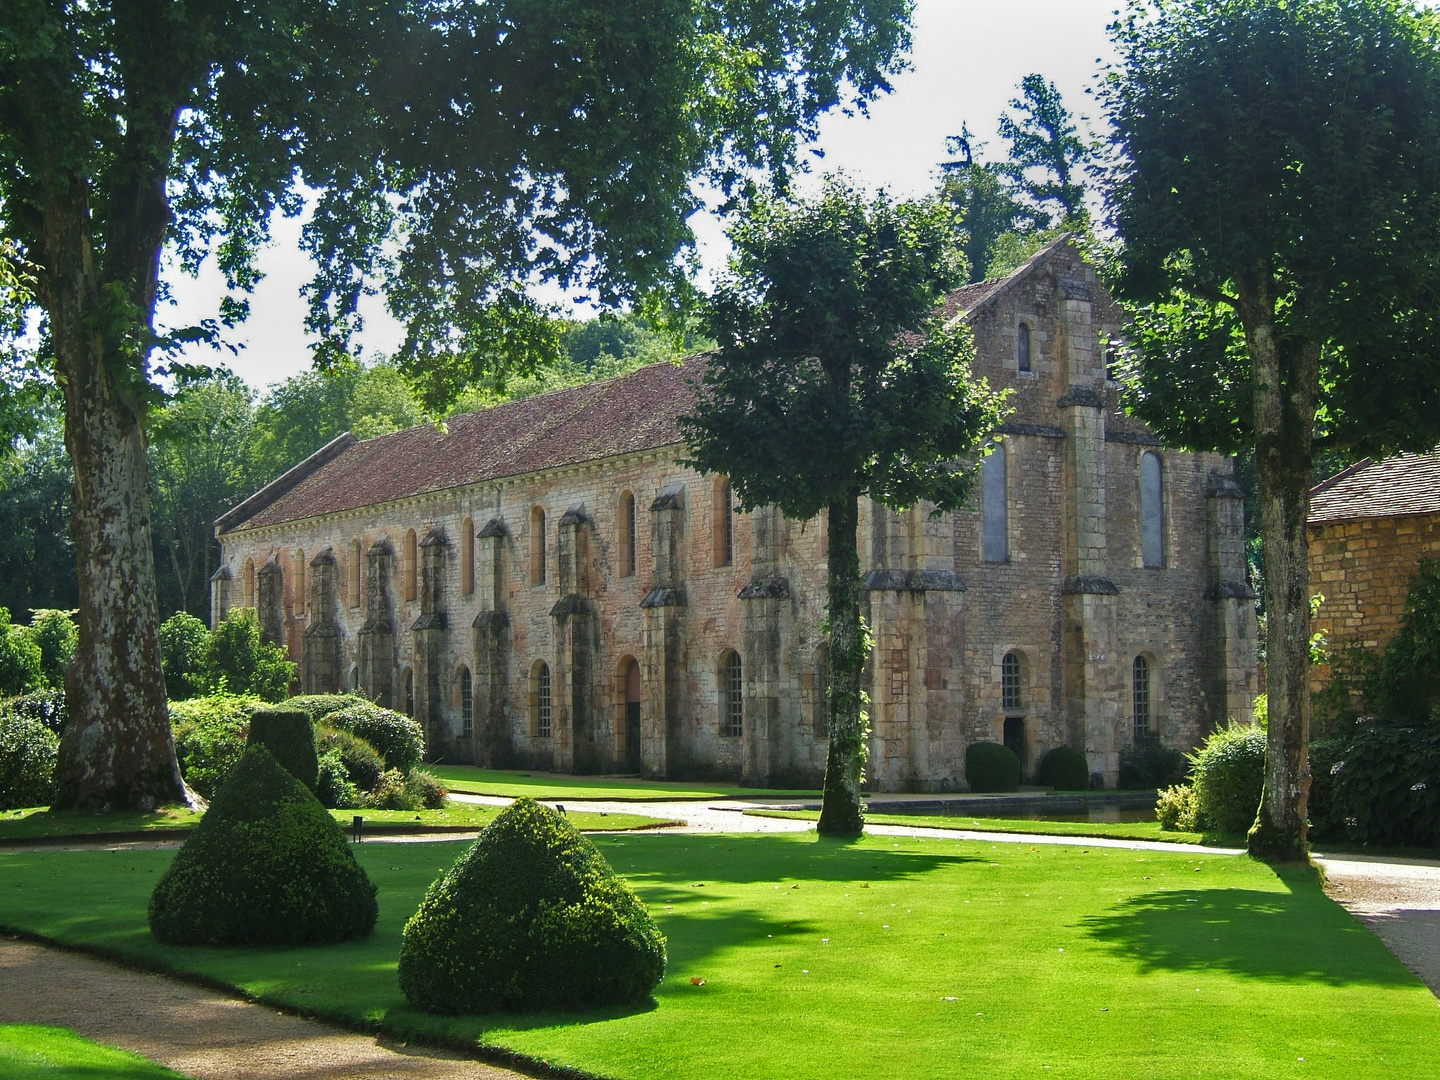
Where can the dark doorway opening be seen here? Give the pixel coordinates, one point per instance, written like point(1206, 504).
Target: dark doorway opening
point(1015, 740)
point(632, 717)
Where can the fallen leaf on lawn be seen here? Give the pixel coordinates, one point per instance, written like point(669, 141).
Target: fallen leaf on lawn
point(695, 980)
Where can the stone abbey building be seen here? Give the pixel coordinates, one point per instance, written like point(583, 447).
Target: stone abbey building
point(543, 586)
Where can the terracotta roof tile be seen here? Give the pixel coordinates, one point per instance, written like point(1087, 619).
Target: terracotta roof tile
point(1404, 484)
point(634, 412)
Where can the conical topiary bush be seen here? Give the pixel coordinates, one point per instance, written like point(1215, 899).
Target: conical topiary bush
point(530, 917)
point(267, 865)
point(290, 736)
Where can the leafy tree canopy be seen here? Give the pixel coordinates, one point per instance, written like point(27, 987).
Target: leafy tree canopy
point(1047, 155)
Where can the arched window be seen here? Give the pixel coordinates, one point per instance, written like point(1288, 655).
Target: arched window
point(410, 571)
point(356, 573)
point(819, 704)
point(1152, 510)
point(540, 700)
point(410, 693)
point(1140, 697)
point(724, 524)
point(1022, 347)
point(994, 501)
point(467, 704)
point(249, 582)
point(732, 695)
point(1112, 360)
point(625, 521)
point(1012, 683)
point(467, 556)
point(298, 603)
point(537, 546)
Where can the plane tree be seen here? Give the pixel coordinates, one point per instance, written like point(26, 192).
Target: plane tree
point(453, 151)
point(1275, 186)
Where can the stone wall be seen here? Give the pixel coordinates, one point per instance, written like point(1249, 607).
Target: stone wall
point(1073, 599)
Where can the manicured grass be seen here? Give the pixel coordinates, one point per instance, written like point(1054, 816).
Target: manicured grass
point(476, 781)
point(50, 1053)
point(893, 956)
point(38, 822)
point(1119, 830)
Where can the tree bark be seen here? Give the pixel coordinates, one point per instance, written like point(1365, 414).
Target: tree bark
point(1285, 376)
point(841, 811)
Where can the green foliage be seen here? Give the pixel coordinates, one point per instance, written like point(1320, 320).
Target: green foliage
point(184, 652)
point(37, 560)
point(530, 917)
point(1325, 754)
point(413, 790)
point(1385, 786)
point(361, 762)
point(1065, 769)
point(1407, 683)
point(288, 734)
point(267, 865)
point(1175, 809)
point(57, 635)
point(333, 787)
point(985, 209)
point(28, 750)
point(1227, 772)
point(21, 661)
point(990, 767)
point(210, 737)
point(1044, 140)
point(47, 706)
point(1150, 765)
point(320, 706)
point(398, 738)
point(238, 661)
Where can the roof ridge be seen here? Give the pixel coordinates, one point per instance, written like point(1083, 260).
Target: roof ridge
point(1349, 470)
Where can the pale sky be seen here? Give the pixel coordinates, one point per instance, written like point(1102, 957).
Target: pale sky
point(968, 57)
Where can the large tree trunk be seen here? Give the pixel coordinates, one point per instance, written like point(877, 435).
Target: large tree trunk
point(1285, 376)
point(841, 813)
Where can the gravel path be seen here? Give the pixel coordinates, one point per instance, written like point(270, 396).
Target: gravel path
point(208, 1034)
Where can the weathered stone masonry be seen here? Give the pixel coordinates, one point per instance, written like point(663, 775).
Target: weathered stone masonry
point(543, 586)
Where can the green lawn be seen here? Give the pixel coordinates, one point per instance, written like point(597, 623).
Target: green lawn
point(1119, 830)
point(894, 956)
point(548, 786)
point(49, 1053)
point(38, 822)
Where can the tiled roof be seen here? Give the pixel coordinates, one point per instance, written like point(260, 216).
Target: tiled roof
point(625, 415)
point(1404, 484)
point(635, 412)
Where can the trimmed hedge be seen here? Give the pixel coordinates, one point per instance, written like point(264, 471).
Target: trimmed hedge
point(266, 866)
point(210, 735)
point(531, 916)
point(289, 735)
point(332, 784)
point(362, 762)
point(28, 751)
point(320, 706)
point(398, 738)
point(1065, 769)
point(991, 767)
point(1227, 773)
point(415, 790)
point(1150, 766)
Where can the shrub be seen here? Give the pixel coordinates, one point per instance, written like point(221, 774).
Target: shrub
point(1227, 773)
point(1386, 786)
point(332, 786)
point(184, 645)
point(288, 734)
point(1175, 808)
point(1149, 765)
point(991, 767)
point(1064, 768)
point(210, 734)
point(28, 750)
point(415, 790)
point(239, 661)
point(530, 917)
point(266, 866)
point(58, 636)
point(47, 706)
point(1407, 684)
point(21, 662)
point(1325, 754)
point(320, 706)
point(362, 762)
point(398, 738)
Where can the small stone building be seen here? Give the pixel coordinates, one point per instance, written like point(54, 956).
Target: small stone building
point(544, 586)
point(1370, 526)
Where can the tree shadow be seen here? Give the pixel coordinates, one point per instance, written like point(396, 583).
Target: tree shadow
point(1295, 935)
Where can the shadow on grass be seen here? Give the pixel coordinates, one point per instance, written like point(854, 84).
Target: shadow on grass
point(1297, 935)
